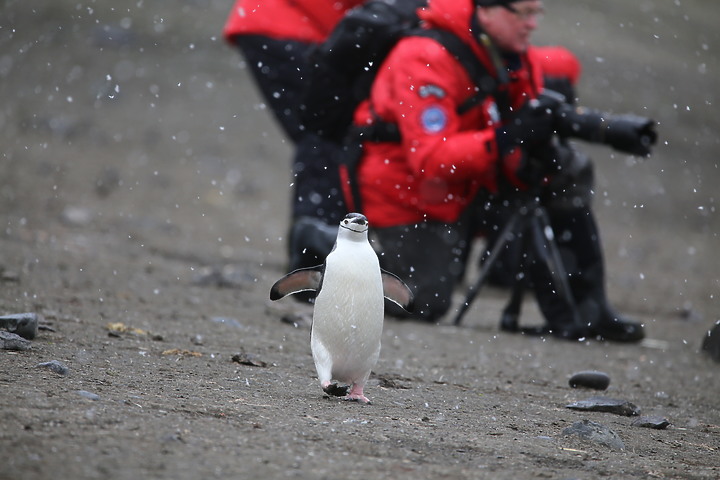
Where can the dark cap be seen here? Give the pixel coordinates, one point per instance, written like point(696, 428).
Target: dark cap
point(493, 3)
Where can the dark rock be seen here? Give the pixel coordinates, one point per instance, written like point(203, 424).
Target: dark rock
point(651, 421)
point(13, 341)
point(56, 366)
point(590, 379)
point(711, 342)
point(23, 324)
point(336, 390)
point(605, 404)
point(248, 359)
point(596, 433)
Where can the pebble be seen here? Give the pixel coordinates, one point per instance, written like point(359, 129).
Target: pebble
point(77, 216)
point(248, 359)
point(89, 395)
point(596, 433)
point(606, 404)
point(651, 421)
point(55, 366)
point(13, 341)
point(23, 324)
point(233, 322)
point(590, 379)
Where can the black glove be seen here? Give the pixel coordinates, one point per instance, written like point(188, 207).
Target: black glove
point(522, 171)
point(532, 126)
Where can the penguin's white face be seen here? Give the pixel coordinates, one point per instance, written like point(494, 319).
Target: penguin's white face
point(355, 222)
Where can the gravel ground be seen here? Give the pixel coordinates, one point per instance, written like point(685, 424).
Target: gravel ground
point(144, 199)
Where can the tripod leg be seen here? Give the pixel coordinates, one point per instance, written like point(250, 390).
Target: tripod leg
point(509, 321)
point(508, 232)
point(548, 251)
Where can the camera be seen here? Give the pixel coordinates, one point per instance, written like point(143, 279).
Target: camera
point(626, 133)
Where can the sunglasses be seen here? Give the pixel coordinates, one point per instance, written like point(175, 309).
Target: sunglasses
point(525, 14)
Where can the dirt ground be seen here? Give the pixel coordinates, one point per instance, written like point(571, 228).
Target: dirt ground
point(144, 185)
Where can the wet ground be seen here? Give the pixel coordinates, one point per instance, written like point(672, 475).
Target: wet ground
point(144, 202)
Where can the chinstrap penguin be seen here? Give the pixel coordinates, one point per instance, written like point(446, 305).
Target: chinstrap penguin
point(349, 308)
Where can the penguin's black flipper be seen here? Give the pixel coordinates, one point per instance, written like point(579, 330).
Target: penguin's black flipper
point(301, 280)
point(396, 291)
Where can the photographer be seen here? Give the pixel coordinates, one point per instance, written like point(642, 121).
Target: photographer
point(274, 37)
point(454, 172)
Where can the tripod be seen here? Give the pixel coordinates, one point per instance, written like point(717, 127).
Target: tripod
point(530, 224)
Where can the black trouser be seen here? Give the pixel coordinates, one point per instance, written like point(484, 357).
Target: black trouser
point(279, 70)
point(430, 257)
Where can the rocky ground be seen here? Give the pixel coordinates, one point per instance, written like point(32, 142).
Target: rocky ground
point(143, 199)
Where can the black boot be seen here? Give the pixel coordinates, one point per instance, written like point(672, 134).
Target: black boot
point(562, 317)
point(604, 322)
point(311, 240)
point(579, 241)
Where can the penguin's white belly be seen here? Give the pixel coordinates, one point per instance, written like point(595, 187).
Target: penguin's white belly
point(348, 321)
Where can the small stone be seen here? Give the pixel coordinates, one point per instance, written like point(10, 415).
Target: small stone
point(89, 395)
point(596, 433)
point(651, 421)
point(336, 390)
point(605, 404)
point(248, 359)
point(77, 216)
point(9, 276)
point(23, 324)
point(590, 379)
point(13, 341)
point(55, 366)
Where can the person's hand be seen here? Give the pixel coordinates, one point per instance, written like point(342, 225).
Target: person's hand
point(532, 126)
point(522, 171)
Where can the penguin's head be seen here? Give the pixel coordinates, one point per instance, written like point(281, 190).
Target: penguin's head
point(355, 222)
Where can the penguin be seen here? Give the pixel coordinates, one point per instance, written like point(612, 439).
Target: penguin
point(349, 308)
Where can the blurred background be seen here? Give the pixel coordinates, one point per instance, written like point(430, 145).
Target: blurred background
point(136, 125)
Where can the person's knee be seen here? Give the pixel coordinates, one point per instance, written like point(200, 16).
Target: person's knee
point(432, 302)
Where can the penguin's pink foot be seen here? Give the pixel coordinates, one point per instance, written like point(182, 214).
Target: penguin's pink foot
point(357, 398)
point(356, 395)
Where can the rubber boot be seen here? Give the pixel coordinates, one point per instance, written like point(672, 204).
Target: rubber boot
point(604, 322)
point(311, 240)
point(562, 317)
point(578, 238)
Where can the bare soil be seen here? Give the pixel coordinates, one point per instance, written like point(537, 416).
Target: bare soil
point(144, 202)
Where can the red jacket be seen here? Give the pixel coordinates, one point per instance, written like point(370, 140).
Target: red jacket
point(444, 158)
point(302, 20)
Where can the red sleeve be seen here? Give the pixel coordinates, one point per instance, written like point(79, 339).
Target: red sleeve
point(556, 61)
point(423, 87)
point(302, 20)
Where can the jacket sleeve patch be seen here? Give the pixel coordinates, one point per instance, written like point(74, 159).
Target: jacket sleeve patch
point(434, 119)
point(431, 91)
